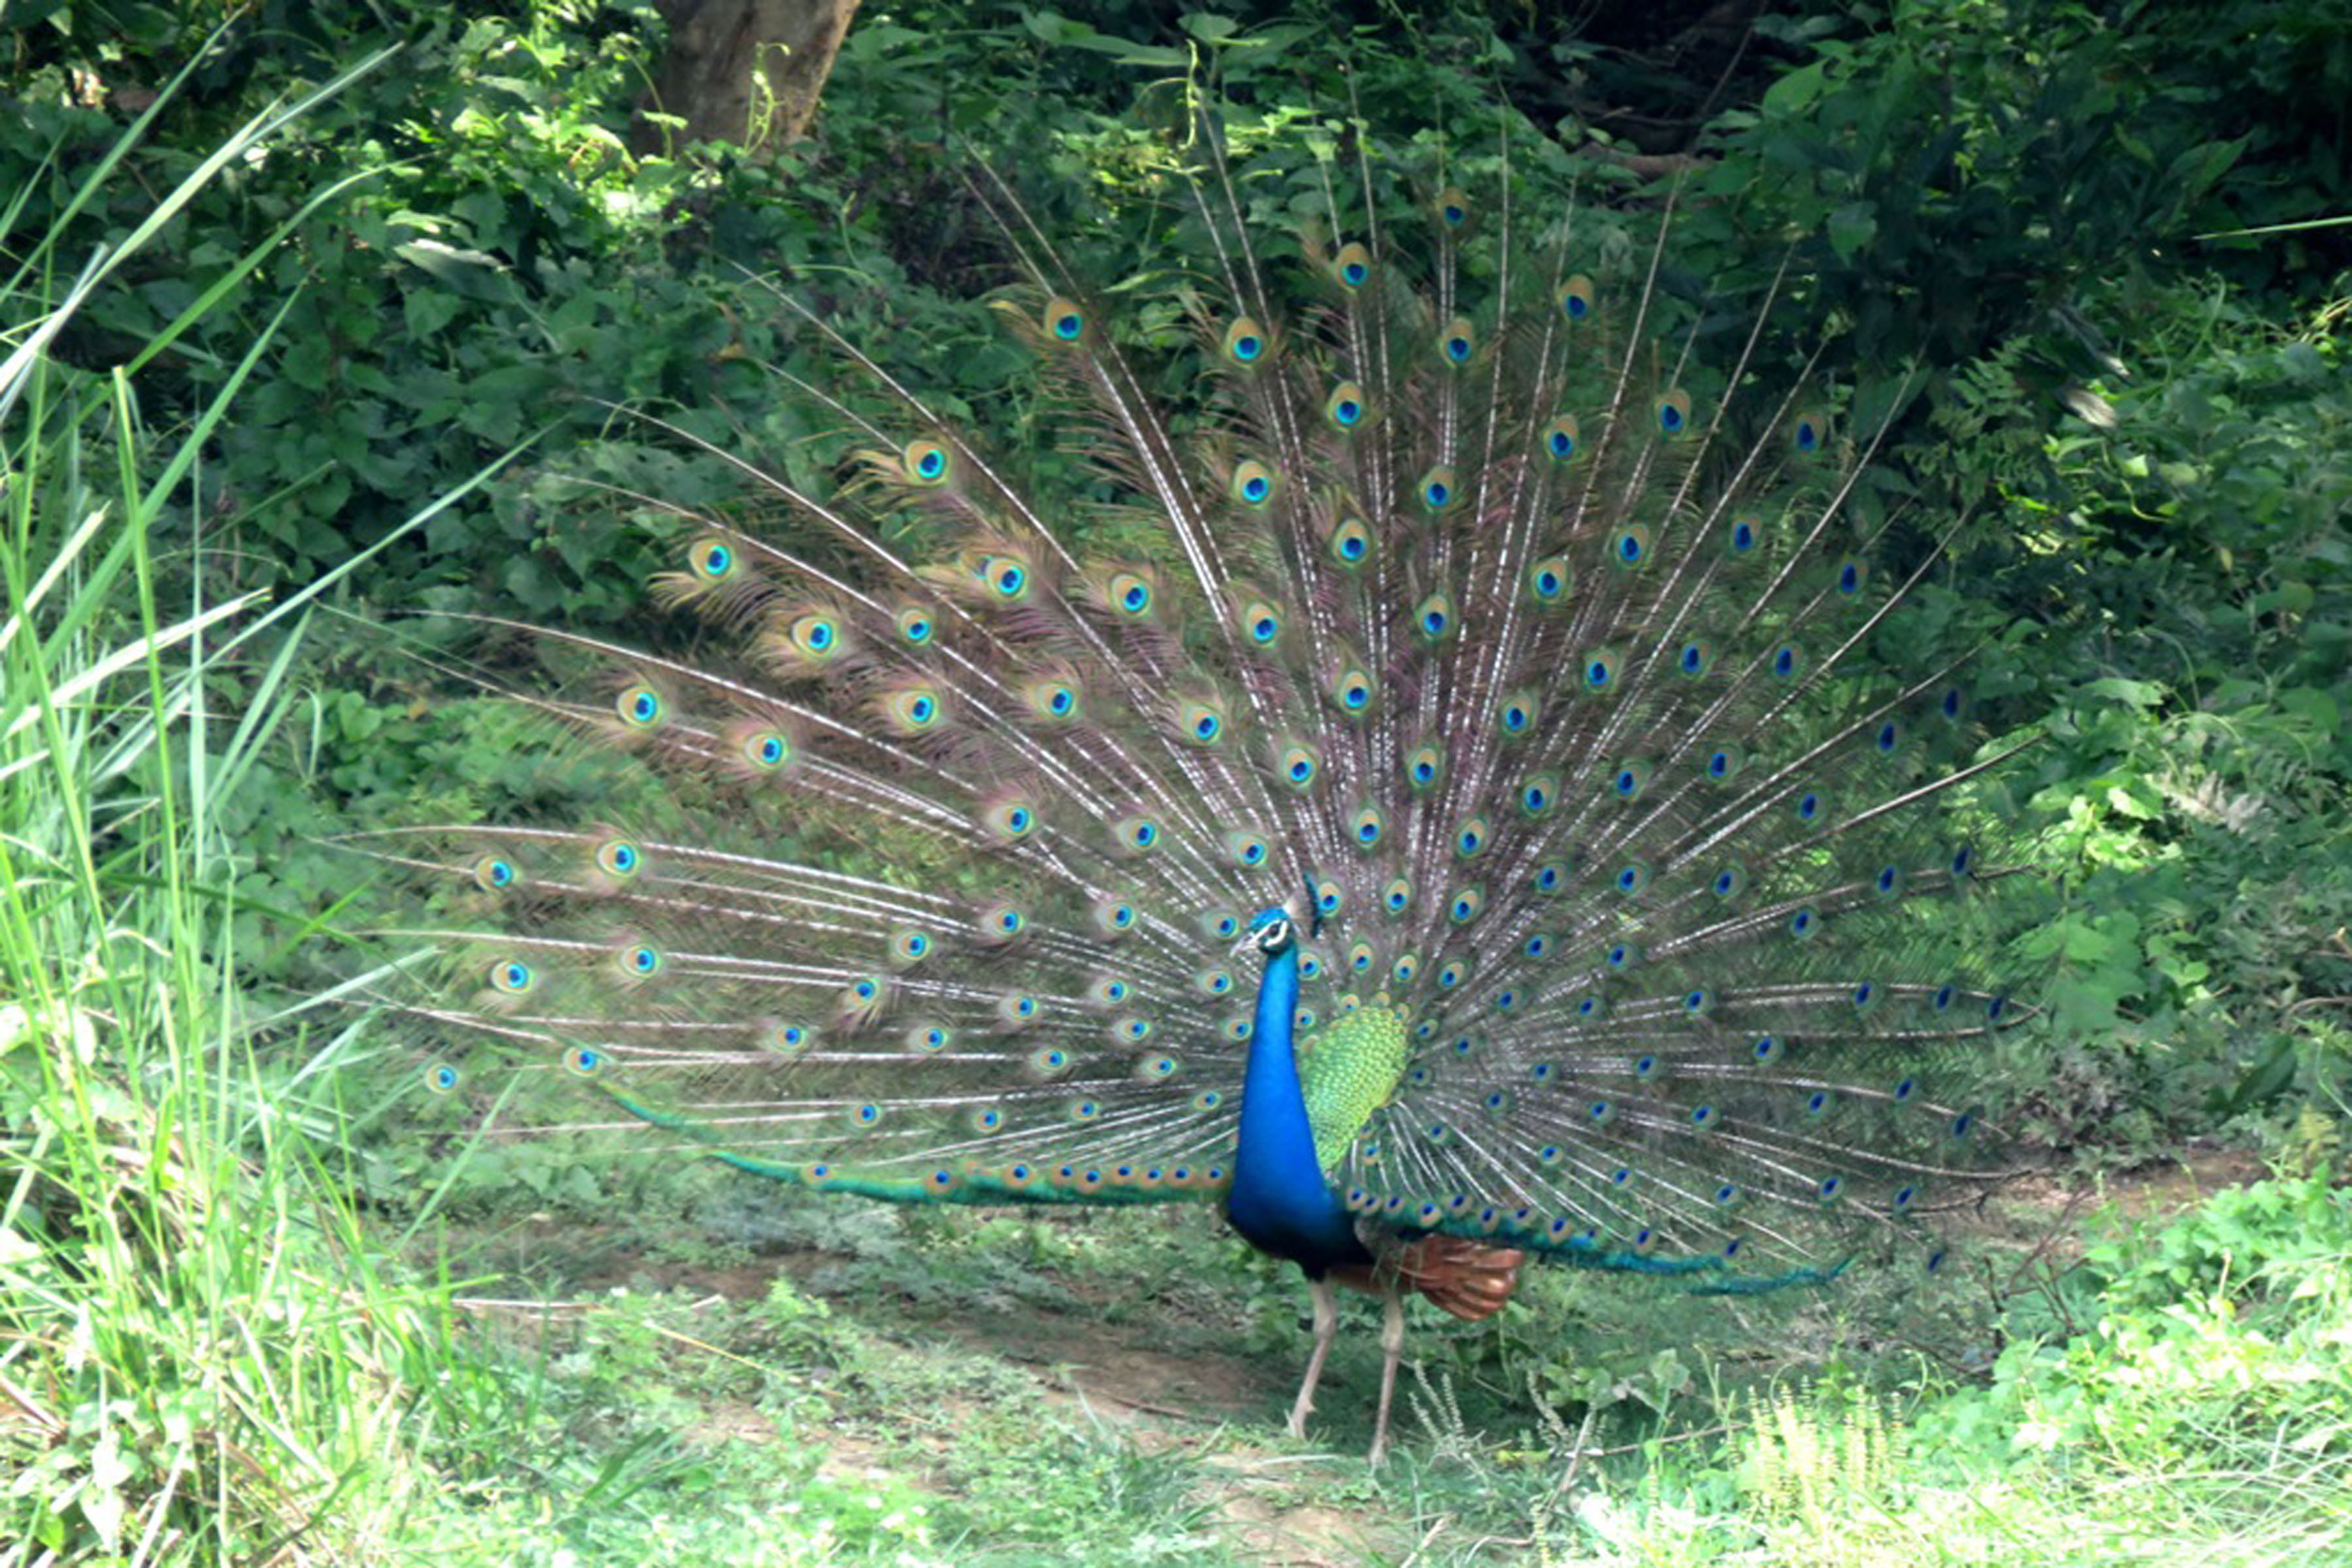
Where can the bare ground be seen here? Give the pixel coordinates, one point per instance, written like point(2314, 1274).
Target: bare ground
point(1168, 1392)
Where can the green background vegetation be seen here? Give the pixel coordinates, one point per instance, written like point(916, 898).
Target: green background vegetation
point(317, 318)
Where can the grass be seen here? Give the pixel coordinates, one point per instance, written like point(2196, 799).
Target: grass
point(212, 1351)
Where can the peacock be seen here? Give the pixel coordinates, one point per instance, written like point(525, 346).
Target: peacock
point(1438, 787)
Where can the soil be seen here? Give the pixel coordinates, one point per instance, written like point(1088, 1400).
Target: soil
point(1168, 1391)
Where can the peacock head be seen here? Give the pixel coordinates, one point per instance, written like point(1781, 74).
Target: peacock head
point(1271, 932)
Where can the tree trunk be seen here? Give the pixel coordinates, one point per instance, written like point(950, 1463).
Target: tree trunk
point(745, 71)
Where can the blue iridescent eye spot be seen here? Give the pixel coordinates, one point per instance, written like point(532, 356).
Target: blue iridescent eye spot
point(1693, 658)
point(1060, 702)
point(932, 465)
point(1629, 548)
point(1743, 537)
point(1784, 661)
point(1256, 488)
point(1457, 348)
point(1248, 348)
point(1354, 546)
point(1670, 419)
point(1849, 578)
point(1263, 629)
point(1069, 325)
point(1010, 580)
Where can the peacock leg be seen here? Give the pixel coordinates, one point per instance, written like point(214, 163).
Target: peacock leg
point(1327, 1329)
point(1392, 1348)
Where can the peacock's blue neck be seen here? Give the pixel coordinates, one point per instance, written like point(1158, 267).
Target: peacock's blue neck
point(1279, 1201)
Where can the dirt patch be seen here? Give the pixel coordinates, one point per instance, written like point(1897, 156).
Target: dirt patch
point(1308, 1536)
point(1120, 1377)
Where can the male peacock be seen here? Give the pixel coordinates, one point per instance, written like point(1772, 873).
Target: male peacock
point(1503, 692)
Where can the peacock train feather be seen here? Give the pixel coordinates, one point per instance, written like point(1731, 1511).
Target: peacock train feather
point(1462, 820)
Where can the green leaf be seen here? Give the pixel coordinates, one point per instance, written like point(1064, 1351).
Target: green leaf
point(1797, 91)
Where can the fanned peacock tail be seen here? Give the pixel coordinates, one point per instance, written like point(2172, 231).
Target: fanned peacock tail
point(1468, 613)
